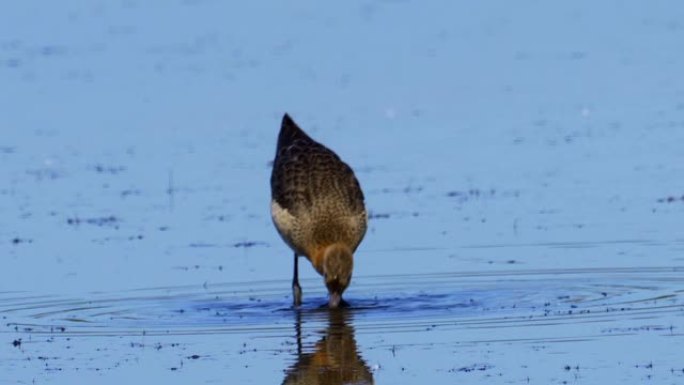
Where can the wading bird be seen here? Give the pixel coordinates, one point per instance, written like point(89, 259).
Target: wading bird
point(318, 208)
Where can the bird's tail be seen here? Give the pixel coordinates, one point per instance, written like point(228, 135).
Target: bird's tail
point(289, 132)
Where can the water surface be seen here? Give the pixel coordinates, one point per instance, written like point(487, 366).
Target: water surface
point(522, 165)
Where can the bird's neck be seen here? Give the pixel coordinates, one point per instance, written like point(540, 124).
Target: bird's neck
point(319, 253)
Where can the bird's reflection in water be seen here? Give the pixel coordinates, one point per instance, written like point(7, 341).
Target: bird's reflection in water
point(334, 359)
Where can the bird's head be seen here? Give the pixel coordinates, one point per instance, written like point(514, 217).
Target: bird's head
point(338, 264)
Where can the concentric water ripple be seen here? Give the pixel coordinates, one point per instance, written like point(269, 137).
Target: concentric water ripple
point(474, 300)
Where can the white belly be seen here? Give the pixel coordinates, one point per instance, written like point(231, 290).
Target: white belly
point(286, 224)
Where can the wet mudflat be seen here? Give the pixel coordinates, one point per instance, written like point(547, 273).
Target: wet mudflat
point(523, 167)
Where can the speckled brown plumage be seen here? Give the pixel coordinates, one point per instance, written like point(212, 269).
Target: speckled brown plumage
point(316, 199)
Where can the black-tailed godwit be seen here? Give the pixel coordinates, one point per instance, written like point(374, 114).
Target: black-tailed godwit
point(318, 208)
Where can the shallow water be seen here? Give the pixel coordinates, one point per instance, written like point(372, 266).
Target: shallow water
point(522, 166)
point(546, 325)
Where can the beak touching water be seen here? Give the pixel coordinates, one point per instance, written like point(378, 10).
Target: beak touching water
point(335, 299)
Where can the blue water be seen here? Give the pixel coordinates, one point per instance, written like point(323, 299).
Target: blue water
point(518, 159)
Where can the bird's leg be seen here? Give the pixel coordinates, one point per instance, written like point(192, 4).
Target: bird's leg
point(296, 289)
point(298, 333)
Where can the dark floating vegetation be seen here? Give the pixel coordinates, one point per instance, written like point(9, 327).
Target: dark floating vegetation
point(472, 368)
point(44, 174)
point(373, 215)
point(248, 244)
point(17, 240)
point(113, 170)
point(129, 192)
point(671, 199)
point(96, 221)
point(475, 193)
point(241, 244)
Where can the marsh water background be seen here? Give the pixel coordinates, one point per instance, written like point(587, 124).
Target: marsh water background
point(522, 162)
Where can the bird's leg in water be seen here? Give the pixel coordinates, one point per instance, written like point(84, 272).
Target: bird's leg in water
point(296, 289)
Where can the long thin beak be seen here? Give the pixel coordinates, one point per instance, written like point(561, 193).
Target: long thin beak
point(334, 300)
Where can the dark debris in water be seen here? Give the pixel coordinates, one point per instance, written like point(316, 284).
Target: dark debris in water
point(44, 174)
point(220, 217)
point(52, 50)
point(241, 244)
point(112, 170)
point(97, 221)
point(373, 215)
point(16, 343)
point(17, 240)
point(156, 346)
point(475, 194)
point(472, 368)
point(248, 244)
point(129, 192)
point(406, 190)
point(671, 199)
point(636, 329)
point(199, 245)
point(645, 366)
